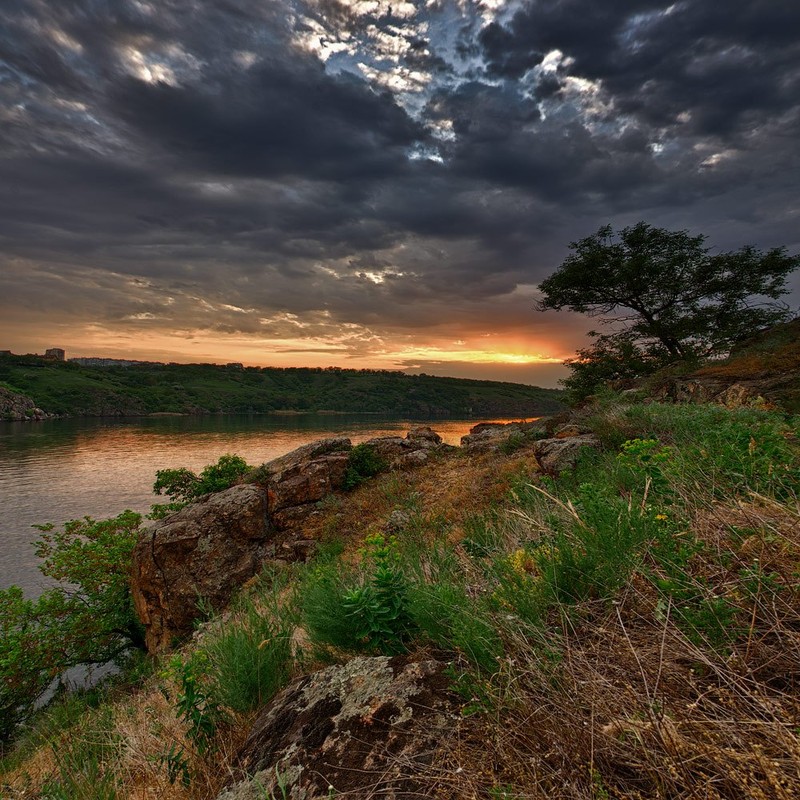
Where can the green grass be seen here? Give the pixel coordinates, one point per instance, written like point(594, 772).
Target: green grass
point(250, 660)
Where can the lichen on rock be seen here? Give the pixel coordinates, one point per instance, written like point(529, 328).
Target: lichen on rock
point(365, 728)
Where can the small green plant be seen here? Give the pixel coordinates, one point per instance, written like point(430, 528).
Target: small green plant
point(363, 611)
point(642, 460)
point(515, 441)
point(182, 485)
point(176, 763)
point(193, 703)
point(473, 688)
point(378, 609)
point(363, 462)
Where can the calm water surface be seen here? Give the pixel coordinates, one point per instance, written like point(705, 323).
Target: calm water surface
point(57, 470)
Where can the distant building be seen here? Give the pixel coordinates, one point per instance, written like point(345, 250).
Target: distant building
point(56, 353)
point(235, 365)
point(111, 362)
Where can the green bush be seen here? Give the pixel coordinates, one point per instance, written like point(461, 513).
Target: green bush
point(363, 462)
point(87, 619)
point(364, 611)
point(182, 485)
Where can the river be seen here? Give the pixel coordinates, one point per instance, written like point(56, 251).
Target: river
point(57, 470)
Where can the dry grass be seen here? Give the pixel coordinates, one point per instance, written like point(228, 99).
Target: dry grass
point(614, 700)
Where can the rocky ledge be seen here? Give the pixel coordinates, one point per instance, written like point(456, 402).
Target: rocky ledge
point(201, 554)
point(367, 728)
point(15, 407)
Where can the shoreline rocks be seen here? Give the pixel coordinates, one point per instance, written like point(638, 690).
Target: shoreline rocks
point(16, 407)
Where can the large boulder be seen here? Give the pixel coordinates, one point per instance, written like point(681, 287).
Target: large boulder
point(305, 453)
point(201, 554)
point(367, 728)
point(411, 451)
point(557, 455)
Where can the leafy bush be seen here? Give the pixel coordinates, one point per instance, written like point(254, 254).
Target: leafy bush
point(87, 619)
point(363, 462)
point(182, 485)
point(365, 612)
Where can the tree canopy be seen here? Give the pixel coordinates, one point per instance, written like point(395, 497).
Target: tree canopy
point(666, 296)
point(667, 287)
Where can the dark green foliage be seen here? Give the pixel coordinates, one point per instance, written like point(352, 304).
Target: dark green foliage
point(669, 296)
point(593, 552)
point(363, 462)
point(87, 619)
point(67, 388)
point(193, 703)
point(367, 612)
point(182, 485)
point(615, 360)
point(515, 441)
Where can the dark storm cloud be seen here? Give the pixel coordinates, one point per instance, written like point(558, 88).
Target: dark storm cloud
point(398, 167)
point(286, 117)
point(726, 64)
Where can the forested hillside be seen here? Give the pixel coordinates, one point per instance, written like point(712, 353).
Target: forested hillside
point(68, 388)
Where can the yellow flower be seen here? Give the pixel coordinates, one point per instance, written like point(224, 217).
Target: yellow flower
point(521, 562)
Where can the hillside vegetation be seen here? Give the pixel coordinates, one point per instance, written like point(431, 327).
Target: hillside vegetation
point(67, 388)
point(628, 629)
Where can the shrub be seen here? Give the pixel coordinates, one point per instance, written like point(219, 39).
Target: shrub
point(363, 462)
point(182, 485)
point(365, 612)
point(87, 619)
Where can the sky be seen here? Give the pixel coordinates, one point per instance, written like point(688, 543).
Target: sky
point(370, 184)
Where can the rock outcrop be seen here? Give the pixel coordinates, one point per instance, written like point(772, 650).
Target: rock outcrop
point(15, 407)
point(559, 454)
point(201, 554)
point(207, 550)
point(411, 451)
point(367, 728)
point(487, 437)
point(296, 482)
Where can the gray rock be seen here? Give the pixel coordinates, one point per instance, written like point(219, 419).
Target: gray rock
point(308, 452)
point(367, 728)
point(306, 481)
point(489, 438)
point(424, 436)
point(556, 455)
point(398, 520)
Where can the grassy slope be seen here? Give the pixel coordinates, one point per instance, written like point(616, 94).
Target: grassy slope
point(770, 360)
point(65, 388)
point(627, 631)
